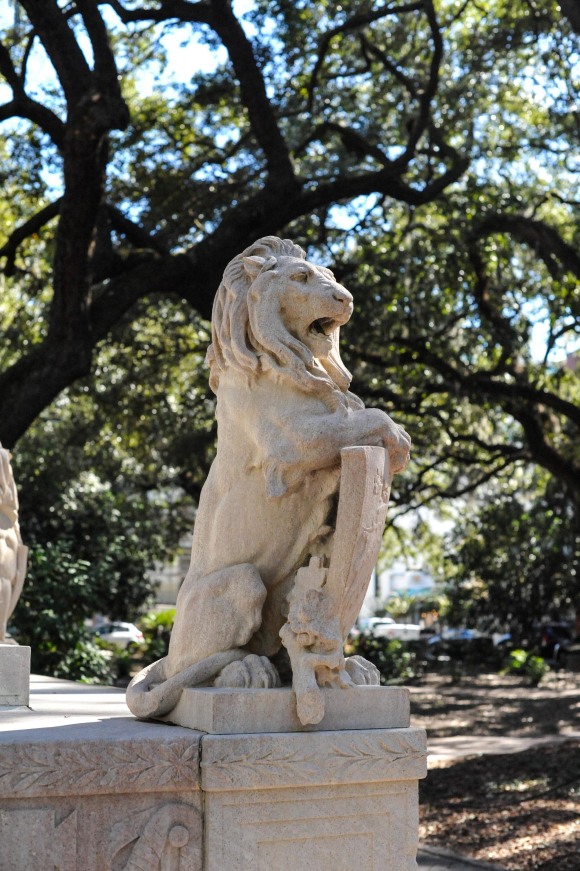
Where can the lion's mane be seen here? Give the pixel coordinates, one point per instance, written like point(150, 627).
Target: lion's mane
point(249, 335)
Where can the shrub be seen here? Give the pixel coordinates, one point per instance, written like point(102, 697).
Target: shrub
point(523, 663)
point(395, 661)
point(156, 626)
point(86, 663)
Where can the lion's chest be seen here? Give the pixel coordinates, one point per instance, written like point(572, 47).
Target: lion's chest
point(259, 433)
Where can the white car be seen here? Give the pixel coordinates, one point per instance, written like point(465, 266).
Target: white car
point(121, 634)
point(386, 627)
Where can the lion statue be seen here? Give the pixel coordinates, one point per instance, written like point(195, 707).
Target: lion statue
point(13, 554)
point(268, 507)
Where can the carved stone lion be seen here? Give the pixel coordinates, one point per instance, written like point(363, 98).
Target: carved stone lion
point(13, 554)
point(268, 507)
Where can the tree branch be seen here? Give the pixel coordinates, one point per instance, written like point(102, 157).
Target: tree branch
point(545, 455)
point(480, 384)
point(381, 56)
point(24, 107)
point(429, 91)
point(105, 68)
point(253, 90)
point(8, 70)
point(134, 233)
point(355, 22)
point(543, 239)
point(181, 9)
point(351, 139)
point(60, 44)
point(33, 225)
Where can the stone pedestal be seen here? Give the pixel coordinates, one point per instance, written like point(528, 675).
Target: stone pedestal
point(251, 711)
point(330, 801)
point(111, 793)
point(14, 675)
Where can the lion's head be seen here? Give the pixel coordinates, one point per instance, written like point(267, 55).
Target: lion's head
point(8, 493)
point(274, 309)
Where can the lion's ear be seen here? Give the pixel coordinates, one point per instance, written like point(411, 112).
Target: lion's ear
point(253, 266)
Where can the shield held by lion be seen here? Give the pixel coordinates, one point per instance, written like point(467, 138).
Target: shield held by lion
point(300, 479)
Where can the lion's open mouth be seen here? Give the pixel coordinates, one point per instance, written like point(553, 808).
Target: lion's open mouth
point(323, 326)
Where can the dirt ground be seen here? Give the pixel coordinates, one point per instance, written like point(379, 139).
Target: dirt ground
point(522, 810)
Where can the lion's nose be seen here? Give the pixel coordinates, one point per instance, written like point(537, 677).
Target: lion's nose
point(341, 294)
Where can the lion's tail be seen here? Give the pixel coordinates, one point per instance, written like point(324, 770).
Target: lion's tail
point(151, 695)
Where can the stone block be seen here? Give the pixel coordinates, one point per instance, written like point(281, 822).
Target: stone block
point(251, 711)
point(332, 800)
point(105, 796)
point(14, 675)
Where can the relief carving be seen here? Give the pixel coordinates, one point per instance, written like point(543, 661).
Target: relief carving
point(169, 839)
point(318, 760)
point(87, 769)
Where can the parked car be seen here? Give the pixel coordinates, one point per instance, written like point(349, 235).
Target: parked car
point(463, 645)
point(386, 627)
point(568, 655)
point(122, 634)
point(551, 636)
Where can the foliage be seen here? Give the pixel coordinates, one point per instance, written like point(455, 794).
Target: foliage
point(458, 193)
point(464, 656)
point(92, 542)
point(156, 626)
point(395, 660)
point(516, 559)
point(399, 605)
point(55, 599)
point(87, 663)
point(526, 664)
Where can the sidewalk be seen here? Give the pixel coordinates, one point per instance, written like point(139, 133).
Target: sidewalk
point(461, 747)
point(437, 859)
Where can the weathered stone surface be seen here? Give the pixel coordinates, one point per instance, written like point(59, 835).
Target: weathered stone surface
point(67, 762)
point(291, 515)
point(338, 828)
point(87, 792)
point(14, 675)
point(13, 554)
point(82, 792)
point(234, 762)
point(131, 832)
point(328, 800)
point(227, 711)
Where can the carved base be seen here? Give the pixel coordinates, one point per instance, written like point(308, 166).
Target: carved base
point(119, 794)
point(108, 795)
point(251, 711)
point(14, 675)
point(339, 800)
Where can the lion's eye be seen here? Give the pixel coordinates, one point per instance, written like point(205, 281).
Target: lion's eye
point(302, 277)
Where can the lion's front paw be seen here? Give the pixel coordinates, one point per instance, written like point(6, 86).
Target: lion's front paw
point(252, 672)
point(399, 445)
point(361, 671)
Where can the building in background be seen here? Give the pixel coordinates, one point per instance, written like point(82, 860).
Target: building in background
point(397, 579)
point(169, 576)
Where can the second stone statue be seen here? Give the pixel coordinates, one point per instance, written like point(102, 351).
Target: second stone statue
point(291, 516)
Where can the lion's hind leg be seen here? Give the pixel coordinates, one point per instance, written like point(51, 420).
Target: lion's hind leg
point(216, 617)
point(215, 613)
